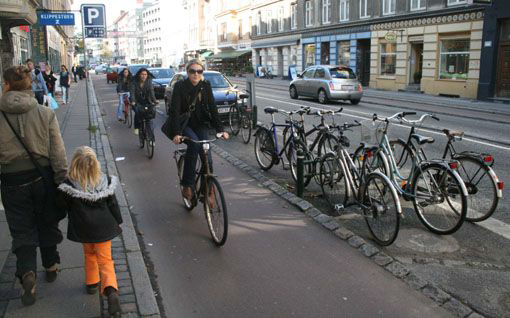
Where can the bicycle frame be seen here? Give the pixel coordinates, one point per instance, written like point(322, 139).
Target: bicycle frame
point(274, 125)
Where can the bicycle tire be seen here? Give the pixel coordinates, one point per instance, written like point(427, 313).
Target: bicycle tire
point(292, 150)
point(188, 204)
point(126, 112)
point(149, 142)
point(299, 132)
point(264, 148)
point(234, 120)
point(359, 156)
point(246, 128)
point(130, 117)
point(482, 204)
point(218, 229)
point(141, 136)
point(380, 208)
point(450, 186)
point(332, 181)
point(327, 143)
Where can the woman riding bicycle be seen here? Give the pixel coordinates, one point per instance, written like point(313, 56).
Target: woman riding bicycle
point(123, 88)
point(192, 110)
point(143, 98)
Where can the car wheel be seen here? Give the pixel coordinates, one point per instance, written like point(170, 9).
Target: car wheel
point(355, 101)
point(293, 92)
point(323, 97)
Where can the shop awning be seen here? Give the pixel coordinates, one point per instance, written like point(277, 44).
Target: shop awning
point(276, 42)
point(206, 54)
point(228, 55)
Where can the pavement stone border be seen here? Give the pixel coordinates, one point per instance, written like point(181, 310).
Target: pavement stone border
point(137, 295)
point(393, 266)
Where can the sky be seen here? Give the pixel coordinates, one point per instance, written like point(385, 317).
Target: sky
point(113, 8)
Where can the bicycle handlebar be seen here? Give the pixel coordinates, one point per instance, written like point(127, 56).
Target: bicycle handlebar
point(399, 115)
point(218, 136)
point(419, 121)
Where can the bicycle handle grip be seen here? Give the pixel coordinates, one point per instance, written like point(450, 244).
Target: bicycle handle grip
point(339, 111)
point(408, 113)
point(435, 117)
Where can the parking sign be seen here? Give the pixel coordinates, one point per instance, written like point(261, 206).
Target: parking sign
point(94, 20)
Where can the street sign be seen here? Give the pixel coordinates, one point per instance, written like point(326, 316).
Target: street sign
point(55, 18)
point(94, 20)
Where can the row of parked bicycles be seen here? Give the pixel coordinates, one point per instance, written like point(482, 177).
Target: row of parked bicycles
point(375, 177)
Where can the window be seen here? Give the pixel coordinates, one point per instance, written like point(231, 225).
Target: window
point(259, 23)
point(388, 6)
point(388, 58)
point(417, 4)
point(456, 2)
point(326, 11)
point(308, 13)
point(309, 72)
point(280, 19)
point(269, 20)
point(309, 55)
point(224, 31)
point(454, 62)
point(363, 9)
point(320, 73)
point(293, 15)
point(342, 72)
point(344, 10)
point(344, 53)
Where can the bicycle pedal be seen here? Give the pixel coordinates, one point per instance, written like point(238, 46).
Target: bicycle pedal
point(339, 208)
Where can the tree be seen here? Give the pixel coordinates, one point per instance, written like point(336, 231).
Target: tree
point(106, 53)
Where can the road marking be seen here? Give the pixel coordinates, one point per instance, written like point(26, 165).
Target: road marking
point(399, 125)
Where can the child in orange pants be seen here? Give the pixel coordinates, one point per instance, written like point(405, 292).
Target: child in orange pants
point(94, 218)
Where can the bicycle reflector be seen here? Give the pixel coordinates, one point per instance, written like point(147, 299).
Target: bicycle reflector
point(360, 88)
point(454, 165)
point(370, 154)
point(488, 158)
point(501, 185)
point(331, 86)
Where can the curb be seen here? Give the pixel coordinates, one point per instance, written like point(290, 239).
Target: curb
point(140, 282)
point(396, 268)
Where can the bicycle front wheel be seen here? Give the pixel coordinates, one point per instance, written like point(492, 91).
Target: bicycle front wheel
point(309, 168)
point(404, 157)
point(246, 128)
point(375, 161)
point(438, 199)
point(264, 149)
point(332, 181)
point(234, 120)
point(130, 117)
point(141, 136)
point(215, 211)
point(380, 208)
point(149, 140)
point(482, 192)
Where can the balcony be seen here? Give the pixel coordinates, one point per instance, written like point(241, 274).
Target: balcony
point(18, 12)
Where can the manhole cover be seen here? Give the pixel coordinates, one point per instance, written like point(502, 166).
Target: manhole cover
point(426, 242)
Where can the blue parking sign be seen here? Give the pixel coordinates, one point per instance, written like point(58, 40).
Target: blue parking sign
point(94, 20)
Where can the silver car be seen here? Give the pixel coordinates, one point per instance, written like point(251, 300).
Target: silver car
point(327, 82)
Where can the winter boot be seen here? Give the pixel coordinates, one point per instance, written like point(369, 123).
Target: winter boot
point(28, 283)
point(113, 301)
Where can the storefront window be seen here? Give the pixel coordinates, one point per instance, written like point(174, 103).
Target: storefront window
point(454, 59)
point(388, 58)
point(505, 30)
point(309, 55)
point(344, 53)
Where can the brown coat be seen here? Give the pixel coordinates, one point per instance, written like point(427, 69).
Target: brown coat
point(37, 125)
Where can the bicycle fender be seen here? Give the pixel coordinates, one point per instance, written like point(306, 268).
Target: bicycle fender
point(479, 157)
point(444, 164)
point(393, 190)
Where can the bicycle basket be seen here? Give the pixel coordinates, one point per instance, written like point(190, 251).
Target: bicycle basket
point(371, 132)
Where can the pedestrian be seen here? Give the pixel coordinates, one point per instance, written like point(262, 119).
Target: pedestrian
point(38, 84)
point(94, 218)
point(50, 79)
point(75, 72)
point(123, 87)
point(30, 168)
point(65, 82)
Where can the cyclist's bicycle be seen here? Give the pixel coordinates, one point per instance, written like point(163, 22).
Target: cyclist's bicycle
point(434, 186)
point(373, 192)
point(209, 192)
point(483, 185)
point(128, 116)
point(240, 119)
point(146, 131)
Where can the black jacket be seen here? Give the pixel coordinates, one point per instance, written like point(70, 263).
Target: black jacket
point(123, 85)
point(142, 95)
point(94, 217)
point(205, 112)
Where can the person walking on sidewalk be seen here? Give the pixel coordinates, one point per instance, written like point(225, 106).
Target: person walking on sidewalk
point(65, 82)
point(30, 166)
point(94, 218)
point(74, 70)
point(38, 84)
point(50, 79)
point(123, 88)
point(142, 95)
point(193, 96)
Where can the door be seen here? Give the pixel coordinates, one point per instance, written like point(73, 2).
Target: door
point(503, 79)
point(319, 80)
point(363, 61)
point(280, 62)
point(305, 82)
point(325, 53)
point(416, 63)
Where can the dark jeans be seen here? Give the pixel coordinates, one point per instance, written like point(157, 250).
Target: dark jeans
point(23, 197)
point(75, 77)
point(191, 156)
point(39, 95)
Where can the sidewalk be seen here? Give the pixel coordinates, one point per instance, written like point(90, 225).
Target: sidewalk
point(66, 297)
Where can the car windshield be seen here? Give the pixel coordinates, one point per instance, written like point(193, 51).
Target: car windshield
point(342, 72)
point(162, 73)
point(135, 68)
point(217, 80)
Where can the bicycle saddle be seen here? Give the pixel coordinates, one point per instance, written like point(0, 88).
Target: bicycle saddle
point(453, 133)
point(300, 111)
point(270, 110)
point(243, 96)
point(421, 140)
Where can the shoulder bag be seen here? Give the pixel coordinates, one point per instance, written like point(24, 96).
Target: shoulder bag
point(183, 118)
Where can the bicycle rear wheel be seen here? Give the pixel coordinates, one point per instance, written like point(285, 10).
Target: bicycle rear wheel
point(126, 113)
point(234, 120)
point(149, 140)
point(332, 181)
point(380, 209)
point(375, 161)
point(246, 128)
point(309, 168)
point(215, 209)
point(404, 157)
point(141, 136)
point(264, 149)
point(130, 117)
point(438, 199)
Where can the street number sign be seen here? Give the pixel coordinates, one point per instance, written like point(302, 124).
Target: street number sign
point(55, 18)
point(94, 20)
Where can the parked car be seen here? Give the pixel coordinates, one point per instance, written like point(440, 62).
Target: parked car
point(112, 74)
point(327, 82)
point(134, 68)
point(162, 77)
point(101, 69)
point(224, 92)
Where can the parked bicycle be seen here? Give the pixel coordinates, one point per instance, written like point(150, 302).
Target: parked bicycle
point(434, 186)
point(209, 192)
point(482, 184)
point(240, 118)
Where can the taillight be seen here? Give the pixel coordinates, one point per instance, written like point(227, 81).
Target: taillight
point(501, 185)
point(488, 158)
point(454, 165)
point(331, 86)
point(360, 88)
point(370, 154)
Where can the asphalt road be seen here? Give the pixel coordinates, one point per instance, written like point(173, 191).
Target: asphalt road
point(276, 262)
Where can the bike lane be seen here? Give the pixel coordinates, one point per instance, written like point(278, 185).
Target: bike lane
point(277, 262)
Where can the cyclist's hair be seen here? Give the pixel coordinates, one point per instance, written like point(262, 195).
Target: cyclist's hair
point(194, 62)
point(85, 168)
point(18, 78)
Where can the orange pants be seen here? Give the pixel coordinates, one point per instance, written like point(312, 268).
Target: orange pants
point(99, 265)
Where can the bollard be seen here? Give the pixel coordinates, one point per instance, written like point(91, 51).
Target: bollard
point(254, 116)
point(300, 186)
